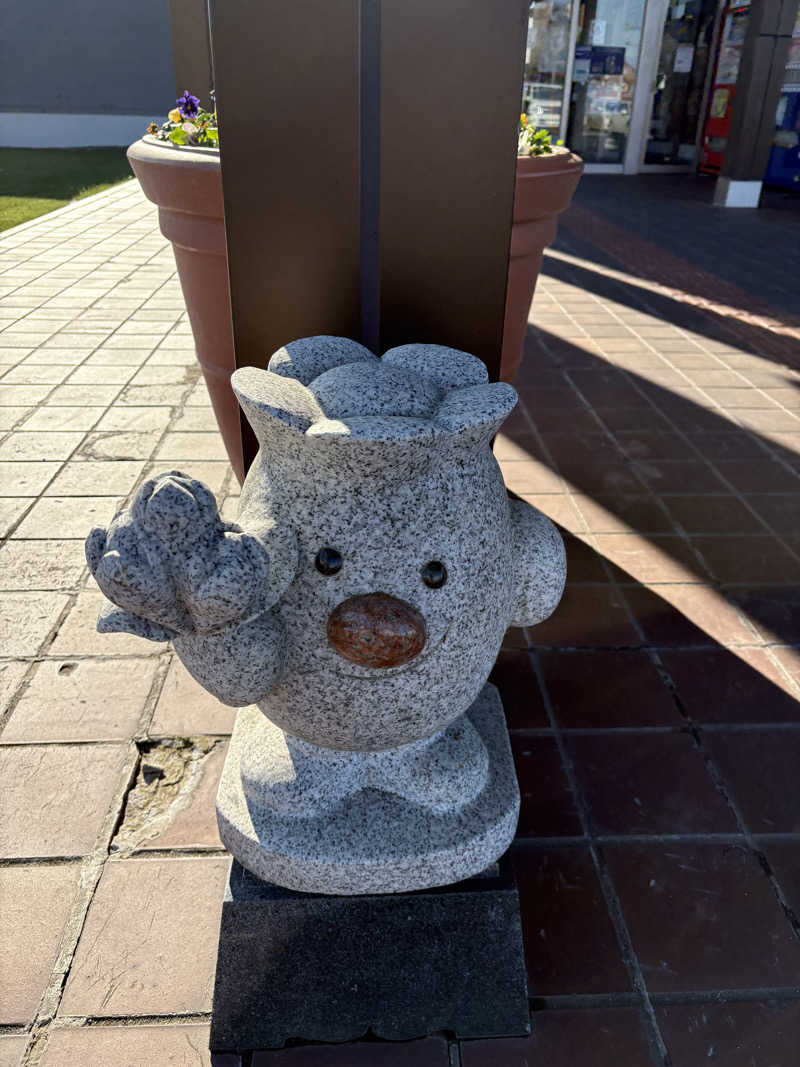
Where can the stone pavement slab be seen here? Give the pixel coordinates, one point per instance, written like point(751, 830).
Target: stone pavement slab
point(150, 939)
point(36, 901)
point(132, 1046)
point(82, 700)
point(12, 1049)
point(56, 797)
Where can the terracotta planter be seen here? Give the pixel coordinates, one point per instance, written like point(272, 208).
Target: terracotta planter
point(545, 185)
point(186, 184)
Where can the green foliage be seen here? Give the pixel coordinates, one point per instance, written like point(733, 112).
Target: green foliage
point(198, 130)
point(533, 142)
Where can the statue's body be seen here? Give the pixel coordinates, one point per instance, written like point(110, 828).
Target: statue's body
point(359, 601)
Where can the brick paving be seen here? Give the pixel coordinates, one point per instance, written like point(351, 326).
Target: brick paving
point(654, 718)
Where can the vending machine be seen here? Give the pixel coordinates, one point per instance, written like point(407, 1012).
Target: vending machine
point(784, 158)
point(723, 91)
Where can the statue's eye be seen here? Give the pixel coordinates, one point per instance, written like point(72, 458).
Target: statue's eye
point(328, 561)
point(434, 574)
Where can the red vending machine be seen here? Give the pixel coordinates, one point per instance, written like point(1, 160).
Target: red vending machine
point(715, 136)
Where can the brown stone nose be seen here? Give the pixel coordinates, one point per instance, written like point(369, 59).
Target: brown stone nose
point(376, 630)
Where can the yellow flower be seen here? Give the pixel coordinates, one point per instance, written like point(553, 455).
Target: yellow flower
point(523, 119)
point(174, 115)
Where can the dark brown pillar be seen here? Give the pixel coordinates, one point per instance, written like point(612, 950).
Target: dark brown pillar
point(191, 49)
point(451, 84)
point(368, 154)
point(758, 87)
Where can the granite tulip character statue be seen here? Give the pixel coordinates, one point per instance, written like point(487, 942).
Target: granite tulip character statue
point(359, 603)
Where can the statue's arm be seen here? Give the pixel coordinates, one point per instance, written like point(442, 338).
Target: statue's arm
point(173, 570)
point(540, 564)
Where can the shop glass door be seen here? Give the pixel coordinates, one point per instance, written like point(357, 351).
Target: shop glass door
point(678, 83)
point(546, 63)
point(604, 72)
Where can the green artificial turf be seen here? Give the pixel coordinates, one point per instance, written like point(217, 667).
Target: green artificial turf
point(34, 181)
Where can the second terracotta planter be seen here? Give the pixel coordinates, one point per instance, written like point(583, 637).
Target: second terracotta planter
point(186, 184)
point(545, 185)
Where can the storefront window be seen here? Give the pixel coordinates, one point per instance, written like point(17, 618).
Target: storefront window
point(603, 78)
point(679, 81)
point(546, 62)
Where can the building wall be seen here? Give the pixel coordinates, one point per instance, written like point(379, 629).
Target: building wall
point(82, 68)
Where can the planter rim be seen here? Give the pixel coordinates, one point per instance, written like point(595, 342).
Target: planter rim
point(559, 159)
point(148, 147)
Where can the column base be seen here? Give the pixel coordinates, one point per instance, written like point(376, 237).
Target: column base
point(729, 192)
point(324, 968)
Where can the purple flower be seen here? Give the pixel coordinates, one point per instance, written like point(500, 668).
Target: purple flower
point(188, 105)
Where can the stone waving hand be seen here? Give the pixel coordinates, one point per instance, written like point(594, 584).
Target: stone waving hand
point(180, 573)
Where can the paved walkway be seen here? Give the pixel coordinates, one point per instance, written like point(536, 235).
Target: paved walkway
point(654, 717)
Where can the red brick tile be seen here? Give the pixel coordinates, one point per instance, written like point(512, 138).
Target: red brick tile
point(784, 860)
point(607, 689)
point(713, 514)
point(648, 784)
point(768, 798)
point(56, 797)
point(703, 917)
point(570, 944)
point(789, 659)
point(687, 615)
point(723, 686)
point(514, 676)
point(654, 445)
point(427, 1052)
point(149, 943)
point(680, 476)
point(612, 1037)
point(587, 616)
point(732, 445)
point(758, 476)
point(651, 558)
point(780, 512)
point(767, 421)
point(774, 612)
point(584, 563)
point(547, 807)
point(624, 512)
point(515, 639)
point(641, 416)
point(35, 904)
point(736, 1034)
point(581, 421)
point(183, 1045)
point(522, 446)
point(691, 413)
point(748, 559)
point(559, 508)
point(531, 476)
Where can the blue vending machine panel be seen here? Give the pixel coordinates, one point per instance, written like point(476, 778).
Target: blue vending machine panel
point(784, 159)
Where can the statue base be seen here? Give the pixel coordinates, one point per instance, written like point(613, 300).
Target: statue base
point(321, 820)
point(330, 969)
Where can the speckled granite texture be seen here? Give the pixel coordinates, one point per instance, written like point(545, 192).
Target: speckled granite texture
point(323, 821)
point(374, 528)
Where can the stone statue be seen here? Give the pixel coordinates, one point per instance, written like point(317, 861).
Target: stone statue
point(359, 602)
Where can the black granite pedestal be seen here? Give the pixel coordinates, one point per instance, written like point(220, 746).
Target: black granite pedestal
point(400, 966)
